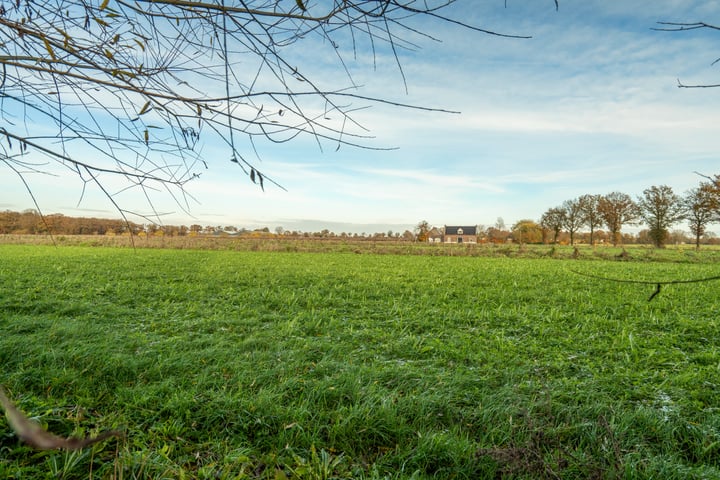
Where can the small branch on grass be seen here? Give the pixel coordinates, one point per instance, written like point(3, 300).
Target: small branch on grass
point(36, 436)
point(618, 465)
point(658, 284)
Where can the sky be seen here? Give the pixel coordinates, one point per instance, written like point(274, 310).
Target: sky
point(589, 105)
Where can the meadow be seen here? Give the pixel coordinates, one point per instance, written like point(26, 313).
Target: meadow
point(333, 364)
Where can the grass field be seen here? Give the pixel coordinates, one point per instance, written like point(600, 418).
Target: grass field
point(252, 364)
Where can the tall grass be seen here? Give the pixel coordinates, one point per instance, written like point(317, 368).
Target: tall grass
point(381, 246)
point(225, 364)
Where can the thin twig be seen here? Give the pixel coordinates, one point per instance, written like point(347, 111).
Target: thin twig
point(647, 282)
point(658, 284)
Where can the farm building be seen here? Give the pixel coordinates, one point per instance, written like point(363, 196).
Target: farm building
point(435, 235)
point(460, 234)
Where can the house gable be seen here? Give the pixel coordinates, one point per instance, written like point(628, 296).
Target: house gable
point(460, 234)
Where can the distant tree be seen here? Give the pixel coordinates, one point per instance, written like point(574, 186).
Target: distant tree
point(678, 236)
point(496, 235)
point(660, 208)
point(527, 231)
point(9, 221)
point(589, 205)
point(643, 237)
point(701, 206)
point(29, 222)
point(617, 209)
point(553, 219)
point(710, 238)
point(574, 217)
point(422, 230)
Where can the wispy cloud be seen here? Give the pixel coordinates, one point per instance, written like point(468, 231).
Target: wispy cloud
point(431, 179)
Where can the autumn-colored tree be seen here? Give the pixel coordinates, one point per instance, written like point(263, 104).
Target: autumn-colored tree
point(701, 207)
point(9, 221)
point(422, 230)
point(496, 235)
point(527, 231)
point(617, 209)
point(660, 208)
point(31, 222)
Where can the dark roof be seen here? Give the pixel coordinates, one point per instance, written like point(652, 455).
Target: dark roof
point(466, 230)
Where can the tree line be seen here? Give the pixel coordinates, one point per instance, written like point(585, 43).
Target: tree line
point(659, 208)
point(32, 222)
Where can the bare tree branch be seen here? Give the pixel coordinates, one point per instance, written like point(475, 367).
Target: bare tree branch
point(682, 27)
point(132, 90)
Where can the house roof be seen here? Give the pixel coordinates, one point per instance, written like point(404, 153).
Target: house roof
point(434, 232)
point(466, 230)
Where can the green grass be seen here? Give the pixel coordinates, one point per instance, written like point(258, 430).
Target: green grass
point(227, 364)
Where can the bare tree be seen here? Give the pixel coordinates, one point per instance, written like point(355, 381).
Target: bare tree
point(589, 206)
point(661, 208)
point(125, 93)
point(617, 209)
point(574, 218)
point(701, 207)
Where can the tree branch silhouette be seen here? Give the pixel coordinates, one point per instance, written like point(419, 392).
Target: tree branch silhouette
point(125, 94)
point(683, 27)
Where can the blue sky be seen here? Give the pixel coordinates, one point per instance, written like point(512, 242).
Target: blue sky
point(590, 104)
